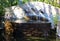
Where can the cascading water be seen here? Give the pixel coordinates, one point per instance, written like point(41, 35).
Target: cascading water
point(36, 11)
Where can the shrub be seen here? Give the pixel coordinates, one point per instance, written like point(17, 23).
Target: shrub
point(6, 3)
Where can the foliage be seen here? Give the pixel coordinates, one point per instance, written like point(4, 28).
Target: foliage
point(6, 3)
point(52, 2)
point(1, 10)
point(55, 19)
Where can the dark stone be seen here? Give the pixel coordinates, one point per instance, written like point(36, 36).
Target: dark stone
point(31, 28)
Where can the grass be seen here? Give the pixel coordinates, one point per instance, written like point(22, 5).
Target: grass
point(57, 39)
point(40, 39)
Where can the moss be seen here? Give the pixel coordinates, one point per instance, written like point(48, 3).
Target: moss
point(6, 3)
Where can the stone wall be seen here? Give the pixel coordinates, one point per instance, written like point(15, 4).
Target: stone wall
point(32, 29)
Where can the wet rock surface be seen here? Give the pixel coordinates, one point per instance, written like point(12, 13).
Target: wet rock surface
point(33, 29)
